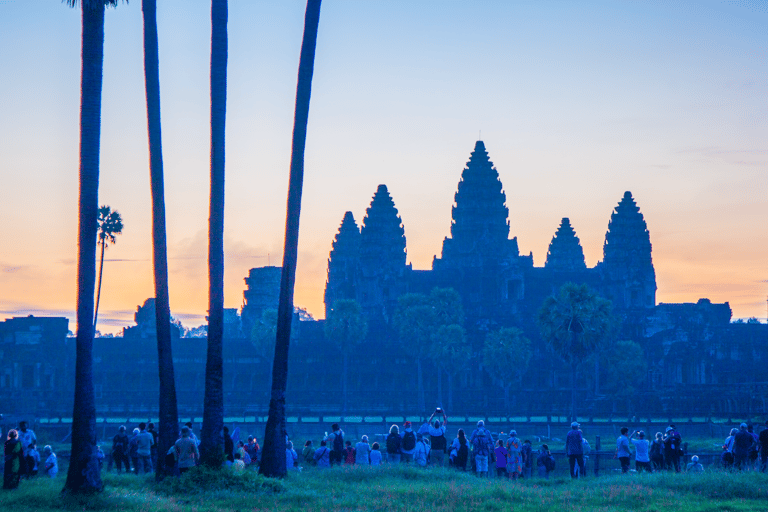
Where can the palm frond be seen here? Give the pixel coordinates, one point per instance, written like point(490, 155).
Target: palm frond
point(93, 3)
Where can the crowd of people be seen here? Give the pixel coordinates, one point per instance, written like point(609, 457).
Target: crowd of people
point(426, 445)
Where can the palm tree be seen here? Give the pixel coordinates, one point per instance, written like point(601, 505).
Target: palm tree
point(110, 224)
point(273, 452)
point(211, 442)
point(83, 474)
point(168, 413)
point(345, 326)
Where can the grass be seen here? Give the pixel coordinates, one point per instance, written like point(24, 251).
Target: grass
point(402, 488)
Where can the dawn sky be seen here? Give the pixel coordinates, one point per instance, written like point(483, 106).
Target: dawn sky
point(576, 102)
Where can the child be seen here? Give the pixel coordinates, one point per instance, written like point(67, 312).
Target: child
point(238, 466)
point(694, 466)
point(501, 459)
point(375, 455)
point(33, 456)
point(349, 453)
point(545, 462)
point(51, 464)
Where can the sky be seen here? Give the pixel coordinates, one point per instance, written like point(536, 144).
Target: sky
point(576, 102)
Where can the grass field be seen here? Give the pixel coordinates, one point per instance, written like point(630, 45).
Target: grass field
point(401, 488)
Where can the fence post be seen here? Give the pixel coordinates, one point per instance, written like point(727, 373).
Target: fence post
point(597, 455)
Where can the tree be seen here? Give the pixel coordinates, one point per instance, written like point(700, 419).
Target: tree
point(575, 323)
point(346, 327)
point(110, 224)
point(506, 355)
point(168, 430)
point(83, 474)
point(626, 366)
point(414, 320)
point(211, 440)
point(273, 452)
point(451, 353)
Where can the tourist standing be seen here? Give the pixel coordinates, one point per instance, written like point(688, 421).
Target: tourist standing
point(575, 450)
point(408, 444)
point(742, 443)
point(144, 442)
point(308, 454)
point(336, 441)
point(657, 452)
point(527, 453)
point(14, 460)
point(393, 445)
point(153, 448)
point(727, 457)
point(323, 455)
point(460, 451)
point(133, 453)
point(421, 452)
point(26, 438)
point(363, 451)
point(482, 444)
point(436, 431)
point(349, 453)
point(186, 451)
point(545, 462)
point(622, 450)
point(291, 457)
point(501, 459)
point(514, 456)
point(33, 459)
point(642, 452)
point(672, 449)
point(763, 439)
point(754, 451)
point(51, 467)
point(120, 450)
point(375, 455)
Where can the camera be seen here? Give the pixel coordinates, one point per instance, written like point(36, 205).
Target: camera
point(439, 409)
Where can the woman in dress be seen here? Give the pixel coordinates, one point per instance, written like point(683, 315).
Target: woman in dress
point(13, 459)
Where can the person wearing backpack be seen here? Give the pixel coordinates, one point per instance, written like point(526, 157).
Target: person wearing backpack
point(482, 443)
point(574, 448)
point(120, 451)
point(527, 453)
point(459, 451)
point(657, 452)
point(436, 433)
point(672, 447)
point(545, 462)
point(393, 445)
point(408, 444)
point(336, 440)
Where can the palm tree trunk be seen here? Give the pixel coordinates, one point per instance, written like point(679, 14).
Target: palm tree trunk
point(420, 384)
point(344, 374)
point(573, 391)
point(450, 391)
point(168, 429)
point(83, 474)
point(273, 463)
point(98, 286)
point(211, 442)
point(440, 385)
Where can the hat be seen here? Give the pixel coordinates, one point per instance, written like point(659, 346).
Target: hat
point(575, 424)
point(743, 426)
point(669, 429)
point(513, 433)
point(481, 423)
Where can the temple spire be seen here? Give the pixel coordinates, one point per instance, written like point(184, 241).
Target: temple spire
point(565, 251)
point(343, 262)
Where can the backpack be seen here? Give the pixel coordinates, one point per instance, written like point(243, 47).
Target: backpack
point(462, 455)
point(439, 442)
point(338, 442)
point(409, 441)
point(480, 443)
point(549, 463)
point(393, 443)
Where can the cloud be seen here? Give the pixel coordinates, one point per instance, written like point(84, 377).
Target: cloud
point(13, 269)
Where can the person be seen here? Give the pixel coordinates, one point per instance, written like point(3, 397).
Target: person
point(14, 460)
point(291, 457)
point(575, 450)
point(421, 452)
point(726, 458)
point(742, 442)
point(308, 454)
point(229, 445)
point(186, 450)
point(459, 451)
point(252, 448)
point(349, 453)
point(323, 455)
point(99, 457)
point(754, 451)
point(192, 435)
point(144, 442)
point(545, 462)
point(436, 431)
point(622, 450)
point(482, 444)
point(694, 466)
point(657, 452)
point(763, 440)
point(26, 437)
point(133, 453)
point(501, 459)
point(240, 448)
point(375, 454)
point(393, 445)
point(51, 467)
point(642, 448)
point(527, 453)
point(336, 441)
point(514, 456)
point(153, 448)
point(408, 443)
point(238, 464)
point(33, 459)
point(363, 451)
point(672, 448)
point(120, 451)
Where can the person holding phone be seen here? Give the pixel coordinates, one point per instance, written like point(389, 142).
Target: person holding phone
point(436, 431)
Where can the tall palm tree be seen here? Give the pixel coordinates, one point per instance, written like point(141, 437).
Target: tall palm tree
point(110, 224)
point(273, 452)
point(211, 442)
point(168, 413)
point(345, 326)
point(83, 474)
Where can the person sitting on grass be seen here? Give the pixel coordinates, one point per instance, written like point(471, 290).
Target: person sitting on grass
point(323, 456)
point(694, 466)
point(501, 459)
point(238, 466)
point(375, 455)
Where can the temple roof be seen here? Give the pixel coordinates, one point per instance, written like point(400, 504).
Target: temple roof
point(565, 251)
point(382, 240)
point(627, 241)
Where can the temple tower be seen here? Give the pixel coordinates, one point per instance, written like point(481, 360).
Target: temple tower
point(565, 252)
point(343, 263)
point(382, 275)
point(627, 265)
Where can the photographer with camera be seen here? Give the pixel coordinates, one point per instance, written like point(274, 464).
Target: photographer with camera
point(436, 431)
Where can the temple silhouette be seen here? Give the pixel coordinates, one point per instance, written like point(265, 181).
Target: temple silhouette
point(699, 364)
